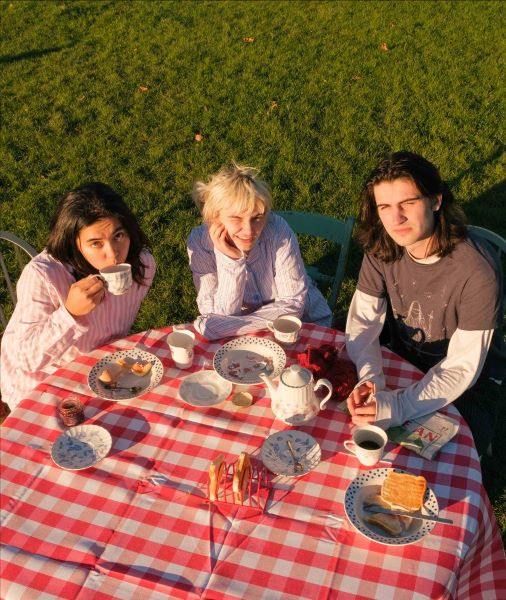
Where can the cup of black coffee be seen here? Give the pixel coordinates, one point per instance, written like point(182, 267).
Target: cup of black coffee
point(367, 444)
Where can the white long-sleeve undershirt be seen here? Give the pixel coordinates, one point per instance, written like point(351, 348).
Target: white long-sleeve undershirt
point(441, 385)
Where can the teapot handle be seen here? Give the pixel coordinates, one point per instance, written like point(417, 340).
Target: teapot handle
point(326, 383)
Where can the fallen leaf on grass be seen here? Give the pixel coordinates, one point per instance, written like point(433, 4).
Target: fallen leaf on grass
point(198, 137)
point(274, 105)
point(384, 47)
point(144, 88)
point(356, 77)
point(249, 40)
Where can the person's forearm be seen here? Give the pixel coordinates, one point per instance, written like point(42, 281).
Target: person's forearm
point(441, 385)
point(366, 317)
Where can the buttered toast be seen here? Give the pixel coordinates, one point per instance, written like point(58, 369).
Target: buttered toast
point(403, 491)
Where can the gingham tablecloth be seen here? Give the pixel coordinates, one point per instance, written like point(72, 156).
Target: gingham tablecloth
point(138, 525)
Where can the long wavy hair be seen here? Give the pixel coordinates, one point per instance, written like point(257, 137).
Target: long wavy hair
point(81, 208)
point(449, 219)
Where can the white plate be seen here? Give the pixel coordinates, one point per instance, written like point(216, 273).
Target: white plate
point(277, 457)
point(81, 447)
point(204, 388)
point(369, 483)
point(127, 379)
point(242, 360)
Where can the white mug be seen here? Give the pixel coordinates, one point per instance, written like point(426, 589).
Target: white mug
point(367, 444)
point(117, 278)
point(285, 328)
point(181, 344)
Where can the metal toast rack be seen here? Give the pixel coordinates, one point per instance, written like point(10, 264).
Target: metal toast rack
point(256, 494)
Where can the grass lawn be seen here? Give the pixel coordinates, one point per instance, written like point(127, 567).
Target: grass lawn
point(313, 93)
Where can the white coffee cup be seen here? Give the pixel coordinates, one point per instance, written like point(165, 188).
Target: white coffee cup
point(367, 444)
point(181, 344)
point(285, 328)
point(117, 278)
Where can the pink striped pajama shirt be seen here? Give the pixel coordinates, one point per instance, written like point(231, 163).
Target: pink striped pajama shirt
point(41, 335)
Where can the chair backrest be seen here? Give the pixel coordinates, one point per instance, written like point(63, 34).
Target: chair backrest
point(334, 230)
point(498, 245)
point(13, 253)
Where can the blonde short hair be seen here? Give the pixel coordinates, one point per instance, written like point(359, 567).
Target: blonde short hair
point(233, 185)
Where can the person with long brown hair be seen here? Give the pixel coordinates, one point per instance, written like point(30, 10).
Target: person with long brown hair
point(63, 309)
point(436, 291)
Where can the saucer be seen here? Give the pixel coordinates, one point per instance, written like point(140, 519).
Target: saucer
point(204, 388)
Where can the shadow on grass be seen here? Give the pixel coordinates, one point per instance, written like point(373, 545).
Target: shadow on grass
point(12, 58)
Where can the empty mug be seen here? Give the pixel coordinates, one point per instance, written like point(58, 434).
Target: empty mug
point(117, 278)
point(181, 344)
point(285, 328)
point(367, 444)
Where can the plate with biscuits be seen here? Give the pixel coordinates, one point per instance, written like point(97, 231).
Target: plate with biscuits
point(125, 375)
point(391, 490)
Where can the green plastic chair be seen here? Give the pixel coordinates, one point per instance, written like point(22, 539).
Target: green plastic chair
point(328, 228)
point(498, 245)
point(9, 258)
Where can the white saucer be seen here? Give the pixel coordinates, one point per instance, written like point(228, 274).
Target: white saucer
point(204, 388)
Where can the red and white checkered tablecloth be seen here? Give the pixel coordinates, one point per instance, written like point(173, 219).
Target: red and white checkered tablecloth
point(138, 524)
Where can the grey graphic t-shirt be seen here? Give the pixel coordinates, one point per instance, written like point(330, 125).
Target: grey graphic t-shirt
point(428, 302)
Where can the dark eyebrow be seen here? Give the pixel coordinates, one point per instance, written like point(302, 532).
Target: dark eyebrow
point(405, 200)
point(117, 230)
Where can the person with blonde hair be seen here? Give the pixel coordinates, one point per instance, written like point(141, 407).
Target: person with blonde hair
point(245, 260)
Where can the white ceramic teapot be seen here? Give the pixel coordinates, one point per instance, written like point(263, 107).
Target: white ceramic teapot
point(294, 400)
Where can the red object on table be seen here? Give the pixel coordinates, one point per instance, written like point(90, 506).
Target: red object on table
point(325, 361)
point(138, 524)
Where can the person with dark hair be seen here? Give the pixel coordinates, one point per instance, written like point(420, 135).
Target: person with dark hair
point(63, 309)
point(436, 291)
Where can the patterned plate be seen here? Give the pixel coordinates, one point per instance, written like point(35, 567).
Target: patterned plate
point(81, 447)
point(276, 455)
point(127, 379)
point(242, 360)
point(204, 388)
point(369, 483)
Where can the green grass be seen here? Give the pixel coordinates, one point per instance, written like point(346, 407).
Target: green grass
point(313, 101)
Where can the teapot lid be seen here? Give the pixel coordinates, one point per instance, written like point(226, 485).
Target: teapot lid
point(296, 376)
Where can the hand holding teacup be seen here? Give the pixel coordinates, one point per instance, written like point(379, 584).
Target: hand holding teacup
point(84, 295)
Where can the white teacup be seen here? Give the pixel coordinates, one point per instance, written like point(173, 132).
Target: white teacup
point(285, 328)
point(117, 278)
point(181, 344)
point(367, 444)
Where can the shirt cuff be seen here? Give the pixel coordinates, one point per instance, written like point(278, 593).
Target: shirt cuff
point(384, 400)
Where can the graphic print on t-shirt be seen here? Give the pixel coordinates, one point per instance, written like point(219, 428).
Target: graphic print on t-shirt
point(420, 324)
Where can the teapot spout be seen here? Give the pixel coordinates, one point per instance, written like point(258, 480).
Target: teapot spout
point(270, 384)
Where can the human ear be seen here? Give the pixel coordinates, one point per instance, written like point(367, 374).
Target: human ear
point(436, 203)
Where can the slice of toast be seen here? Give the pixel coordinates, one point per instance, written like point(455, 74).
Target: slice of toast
point(403, 491)
point(216, 469)
point(394, 525)
point(390, 524)
point(141, 369)
point(242, 477)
